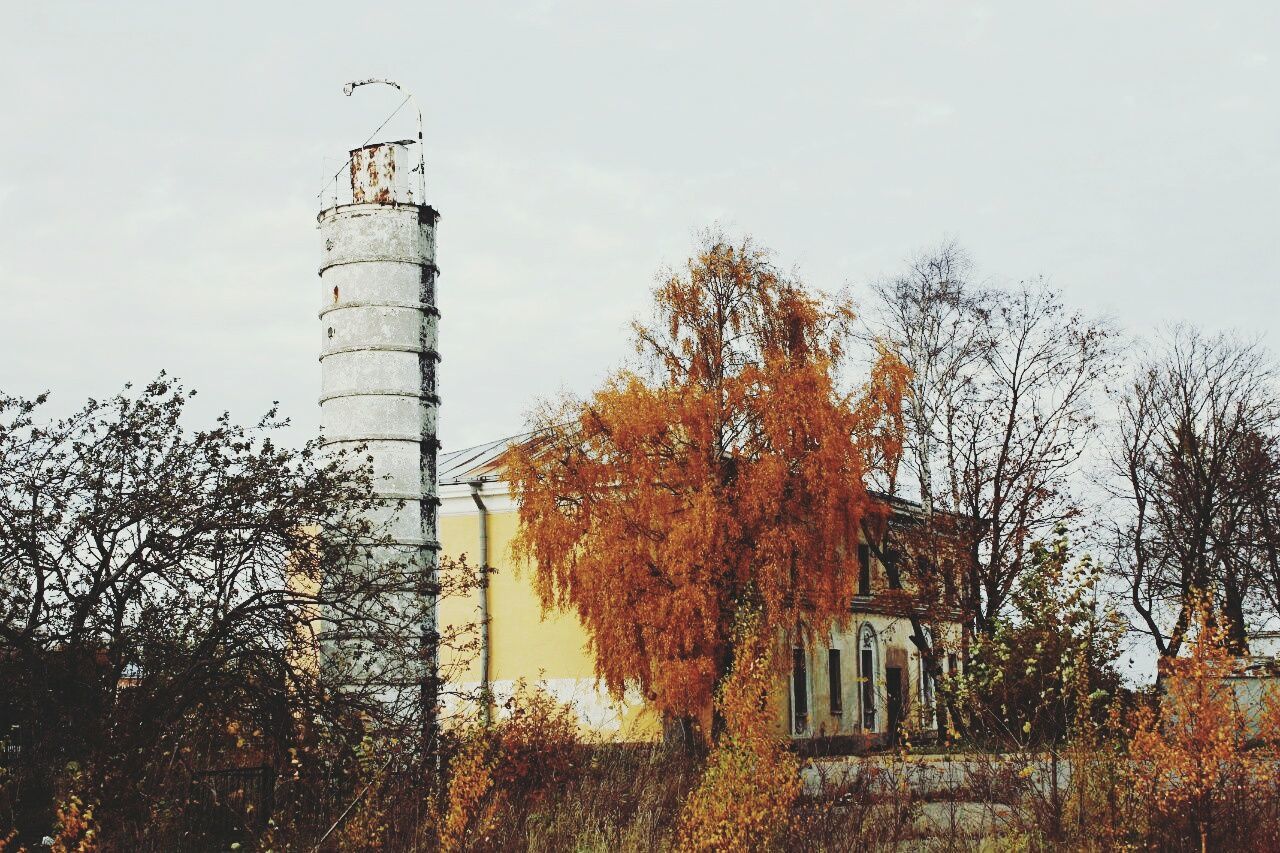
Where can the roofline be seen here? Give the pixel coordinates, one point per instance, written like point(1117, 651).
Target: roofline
point(900, 505)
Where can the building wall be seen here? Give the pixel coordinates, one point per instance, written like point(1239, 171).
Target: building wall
point(550, 649)
point(543, 649)
point(1255, 694)
point(891, 647)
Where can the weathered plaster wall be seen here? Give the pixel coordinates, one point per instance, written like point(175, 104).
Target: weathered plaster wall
point(549, 649)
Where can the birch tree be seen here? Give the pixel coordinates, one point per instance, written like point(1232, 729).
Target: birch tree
point(724, 470)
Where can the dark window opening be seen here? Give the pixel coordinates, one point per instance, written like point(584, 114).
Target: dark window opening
point(953, 665)
point(896, 699)
point(335, 294)
point(864, 570)
point(799, 693)
point(833, 681)
point(892, 570)
point(868, 690)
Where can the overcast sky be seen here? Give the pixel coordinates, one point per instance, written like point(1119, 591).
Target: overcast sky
point(161, 164)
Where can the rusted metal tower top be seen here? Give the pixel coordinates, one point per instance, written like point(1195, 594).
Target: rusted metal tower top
point(381, 172)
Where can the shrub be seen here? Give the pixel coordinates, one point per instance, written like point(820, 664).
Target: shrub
point(1191, 770)
point(751, 781)
point(511, 767)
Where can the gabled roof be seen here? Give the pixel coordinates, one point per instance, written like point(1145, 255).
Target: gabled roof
point(458, 467)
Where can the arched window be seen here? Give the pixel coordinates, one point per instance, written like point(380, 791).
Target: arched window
point(868, 672)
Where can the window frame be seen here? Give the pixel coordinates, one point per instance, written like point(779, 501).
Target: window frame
point(868, 649)
point(928, 689)
point(801, 718)
point(835, 685)
point(864, 569)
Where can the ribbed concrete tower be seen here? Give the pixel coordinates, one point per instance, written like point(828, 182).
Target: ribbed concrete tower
point(378, 352)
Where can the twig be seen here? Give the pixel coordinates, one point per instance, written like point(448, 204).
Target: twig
point(348, 809)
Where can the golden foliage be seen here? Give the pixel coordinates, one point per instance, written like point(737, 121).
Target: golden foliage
point(470, 808)
point(77, 832)
point(532, 751)
point(1190, 758)
point(744, 799)
point(726, 468)
point(368, 825)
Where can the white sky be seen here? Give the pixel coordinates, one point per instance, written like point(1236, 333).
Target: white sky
point(161, 161)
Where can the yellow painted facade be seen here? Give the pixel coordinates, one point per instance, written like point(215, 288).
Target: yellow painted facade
point(548, 650)
point(876, 662)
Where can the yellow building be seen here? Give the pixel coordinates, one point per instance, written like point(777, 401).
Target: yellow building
point(865, 682)
point(478, 521)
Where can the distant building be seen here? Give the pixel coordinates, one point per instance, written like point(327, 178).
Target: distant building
point(1255, 678)
point(1264, 644)
point(864, 683)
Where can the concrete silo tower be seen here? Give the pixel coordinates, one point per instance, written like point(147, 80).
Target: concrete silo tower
point(378, 350)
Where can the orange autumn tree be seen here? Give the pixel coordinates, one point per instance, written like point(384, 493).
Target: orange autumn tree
point(1199, 764)
point(723, 469)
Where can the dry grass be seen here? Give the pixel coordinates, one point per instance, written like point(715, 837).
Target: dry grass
point(631, 797)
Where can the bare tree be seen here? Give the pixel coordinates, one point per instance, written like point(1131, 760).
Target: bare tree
point(1001, 404)
point(1261, 529)
point(158, 584)
point(1195, 465)
point(936, 323)
point(1019, 434)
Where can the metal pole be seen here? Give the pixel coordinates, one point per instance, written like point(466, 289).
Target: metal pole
point(486, 693)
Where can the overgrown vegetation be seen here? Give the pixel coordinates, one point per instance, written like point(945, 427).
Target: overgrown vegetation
point(1048, 667)
point(160, 594)
point(163, 590)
